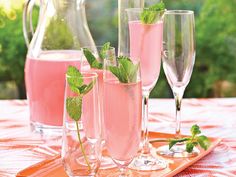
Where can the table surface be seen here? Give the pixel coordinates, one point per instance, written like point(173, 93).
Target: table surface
point(21, 148)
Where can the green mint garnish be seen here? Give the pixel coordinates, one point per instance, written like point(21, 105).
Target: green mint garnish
point(92, 59)
point(153, 13)
point(74, 107)
point(93, 62)
point(203, 142)
point(104, 49)
point(126, 71)
point(74, 104)
point(191, 142)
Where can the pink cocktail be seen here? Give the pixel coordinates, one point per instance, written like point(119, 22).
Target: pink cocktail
point(122, 119)
point(145, 36)
point(146, 45)
point(45, 85)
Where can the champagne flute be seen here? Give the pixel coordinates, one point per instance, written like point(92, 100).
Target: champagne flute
point(178, 61)
point(145, 42)
point(122, 112)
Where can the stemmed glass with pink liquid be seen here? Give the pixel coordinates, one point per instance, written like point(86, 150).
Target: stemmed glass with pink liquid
point(178, 61)
point(122, 113)
point(145, 42)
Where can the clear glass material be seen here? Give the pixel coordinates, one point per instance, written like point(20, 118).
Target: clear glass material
point(178, 61)
point(123, 37)
point(106, 161)
point(123, 22)
point(122, 118)
point(81, 141)
point(145, 42)
point(61, 31)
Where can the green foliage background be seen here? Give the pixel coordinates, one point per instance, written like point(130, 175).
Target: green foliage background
point(214, 73)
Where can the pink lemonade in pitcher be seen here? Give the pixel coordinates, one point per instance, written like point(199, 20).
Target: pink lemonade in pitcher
point(146, 45)
point(45, 85)
point(122, 118)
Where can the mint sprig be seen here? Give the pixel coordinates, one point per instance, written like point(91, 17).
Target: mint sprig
point(74, 104)
point(195, 140)
point(93, 62)
point(125, 71)
point(153, 13)
point(192, 141)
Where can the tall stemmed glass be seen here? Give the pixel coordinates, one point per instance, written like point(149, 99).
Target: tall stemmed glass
point(178, 61)
point(145, 42)
point(122, 111)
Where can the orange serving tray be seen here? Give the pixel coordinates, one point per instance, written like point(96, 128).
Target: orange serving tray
point(53, 167)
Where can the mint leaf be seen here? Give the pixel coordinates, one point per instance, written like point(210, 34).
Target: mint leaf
point(195, 130)
point(74, 78)
point(204, 142)
point(172, 143)
point(153, 13)
point(92, 59)
point(124, 57)
point(88, 87)
point(129, 70)
point(189, 147)
point(74, 107)
point(192, 141)
point(116, 71)
point(103, 51)
point(81, 89)
point(158, 7)
point(126, 71)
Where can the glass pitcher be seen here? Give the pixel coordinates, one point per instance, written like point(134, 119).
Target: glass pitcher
point(61, 32)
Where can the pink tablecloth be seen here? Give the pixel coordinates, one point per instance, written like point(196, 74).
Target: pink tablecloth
point(20, 148)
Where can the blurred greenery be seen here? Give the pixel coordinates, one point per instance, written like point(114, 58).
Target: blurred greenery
point(13, 49)
point(214, 72)
point(54, 38)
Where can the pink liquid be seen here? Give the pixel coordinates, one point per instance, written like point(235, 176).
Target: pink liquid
point(122, 119)
point(146, 46)
point(90, 110)
point(100, 91)
point(45, 84)
point(99, 72)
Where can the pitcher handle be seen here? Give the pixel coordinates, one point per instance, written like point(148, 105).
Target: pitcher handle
point(28, 28)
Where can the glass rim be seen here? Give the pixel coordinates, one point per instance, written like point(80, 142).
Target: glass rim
point(138, 10)
point(179, 12)
point(91, 74)
point(97, 47)
point(125, 84)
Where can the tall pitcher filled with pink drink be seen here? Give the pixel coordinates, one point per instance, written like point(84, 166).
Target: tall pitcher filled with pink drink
point(61, 32)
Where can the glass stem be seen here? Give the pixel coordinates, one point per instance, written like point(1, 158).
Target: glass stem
point(122, 172)
point(145, 149)
point(178, 95)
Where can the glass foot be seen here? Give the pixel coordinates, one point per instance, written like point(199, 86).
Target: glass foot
point(121, 174)
point(106, 160)
point(45, 129)
point(177, 151)
point(107, 163)
point(147, 162)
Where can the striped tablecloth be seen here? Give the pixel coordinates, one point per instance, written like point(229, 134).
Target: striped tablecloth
point(20, 148)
